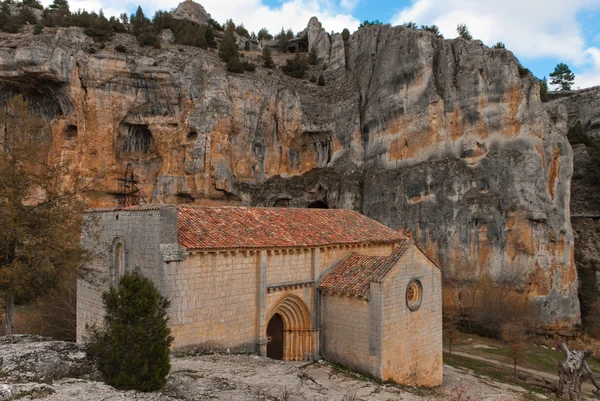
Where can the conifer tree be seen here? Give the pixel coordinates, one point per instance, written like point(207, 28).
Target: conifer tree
point(267, 58)
point(562, 76)
point(228, 49)
point(132, 350)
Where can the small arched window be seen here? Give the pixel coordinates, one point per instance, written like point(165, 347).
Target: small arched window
point(118, 267)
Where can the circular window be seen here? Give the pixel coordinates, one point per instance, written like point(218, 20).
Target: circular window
point(414, 294)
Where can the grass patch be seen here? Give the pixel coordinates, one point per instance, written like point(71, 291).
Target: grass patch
point(495, 373)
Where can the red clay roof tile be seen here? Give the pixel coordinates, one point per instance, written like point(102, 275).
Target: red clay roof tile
point(204, 227)
point(355, 274)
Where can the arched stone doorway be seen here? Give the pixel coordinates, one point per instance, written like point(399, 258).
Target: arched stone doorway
point(298, 337)
point(275, 336)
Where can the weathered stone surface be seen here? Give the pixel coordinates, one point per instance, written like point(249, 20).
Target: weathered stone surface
point(583, 108)
point(166, 35)
point(446, 139)
point(191, 11)
point(337, 58)
point(318, 38)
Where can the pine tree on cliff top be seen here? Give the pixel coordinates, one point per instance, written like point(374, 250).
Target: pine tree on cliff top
point(563, 77)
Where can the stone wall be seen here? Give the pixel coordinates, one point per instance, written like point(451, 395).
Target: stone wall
point(346, 323)
point(141, 232)
point(412, 340)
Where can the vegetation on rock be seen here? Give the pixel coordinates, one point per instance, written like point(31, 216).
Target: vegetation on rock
point(132, 350)
point(296, 67)
point(463, 32)
point(562, 76)
point(267, 58)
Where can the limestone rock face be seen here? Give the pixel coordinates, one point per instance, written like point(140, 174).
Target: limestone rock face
point(446, 140)
point(583, 108)
point(318, 38)
point(191, 11)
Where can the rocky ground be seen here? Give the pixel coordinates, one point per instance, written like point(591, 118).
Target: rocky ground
point(35, 368)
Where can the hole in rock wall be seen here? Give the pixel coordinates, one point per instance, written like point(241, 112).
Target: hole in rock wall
point(192, 136)
point(136, 138)
point(70, 132)
point(281, 203)
point(318, 205)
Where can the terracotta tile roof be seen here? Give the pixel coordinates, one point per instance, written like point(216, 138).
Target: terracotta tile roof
point(355, 274)
point(203, 227)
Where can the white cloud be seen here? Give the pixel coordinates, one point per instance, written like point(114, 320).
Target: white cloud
point(590, 75)
point(253, 14)
point(531, 29)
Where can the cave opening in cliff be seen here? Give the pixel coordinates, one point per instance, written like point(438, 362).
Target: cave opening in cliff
point(318, 205)
point(70, 132)
point(192, 136)
point(136, 138)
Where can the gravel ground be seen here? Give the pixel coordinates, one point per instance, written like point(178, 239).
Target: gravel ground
point(34, 368)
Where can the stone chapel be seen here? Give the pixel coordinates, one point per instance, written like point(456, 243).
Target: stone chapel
point(290, 284)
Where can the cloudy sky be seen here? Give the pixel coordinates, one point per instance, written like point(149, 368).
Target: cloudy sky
point(541, 33)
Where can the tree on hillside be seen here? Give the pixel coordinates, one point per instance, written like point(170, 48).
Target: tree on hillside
point(562, 76)
point(282, 40)
point(132, 349)
point(514, 333)
point(267, 58)
point(264, 34)
point(228, 49)
point(39, 227)
point(463, 32)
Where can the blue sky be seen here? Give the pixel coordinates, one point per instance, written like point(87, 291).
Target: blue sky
point(541, 33)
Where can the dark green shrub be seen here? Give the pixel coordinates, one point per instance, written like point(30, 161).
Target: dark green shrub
point(264, 34)
point(121, 49)
point(132, 350)
point(228, 49)
point(321, 81)
point(296, 67)
point(464, 32)
point(543, 89)
point(92, 50)
point(235, 65)
point(499, 45)
point(27, 16)
point(38, 29)
point(283, 40)
point(34, 4)
point(312, 57)
point(434, 30)
point(345, 34)
point(149, 39)
point(410, 25)
point(215, 24)
point(249, 66)
point(247, 45)
point(313, 79)
point(240, 30)
point(267, 58)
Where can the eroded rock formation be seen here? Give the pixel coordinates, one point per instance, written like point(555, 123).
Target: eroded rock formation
point(445, 139)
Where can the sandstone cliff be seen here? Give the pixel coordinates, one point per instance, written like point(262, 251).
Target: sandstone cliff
point(445, 139)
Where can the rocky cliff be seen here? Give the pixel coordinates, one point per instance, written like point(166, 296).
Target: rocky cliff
point(583, 108)
point(444, 139)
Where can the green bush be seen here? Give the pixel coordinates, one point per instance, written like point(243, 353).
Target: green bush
point(296, 67)
point(499, 45)
point(34, 4)
point(321, 81)
point(313, 79)
point(345, 34)
point(149, 39)
point(121, 49)
point(132, 350)
point(267, 58)
point(37, 29)
point(251, 67)
point(236, 66)
point(312, 57)
point(264, 34)
point(463, 32)
point(228, 49)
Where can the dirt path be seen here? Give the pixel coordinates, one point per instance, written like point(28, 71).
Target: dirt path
point(491, 361)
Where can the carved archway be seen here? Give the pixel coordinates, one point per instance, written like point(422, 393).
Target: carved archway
point(298, 337)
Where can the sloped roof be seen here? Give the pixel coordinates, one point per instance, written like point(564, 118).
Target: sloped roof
point(205, 227)
point(354, 275)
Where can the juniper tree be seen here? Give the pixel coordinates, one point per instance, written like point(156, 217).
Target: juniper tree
point(132, 349)
point(267, 58)
point(228, 49)
point(463, 32)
